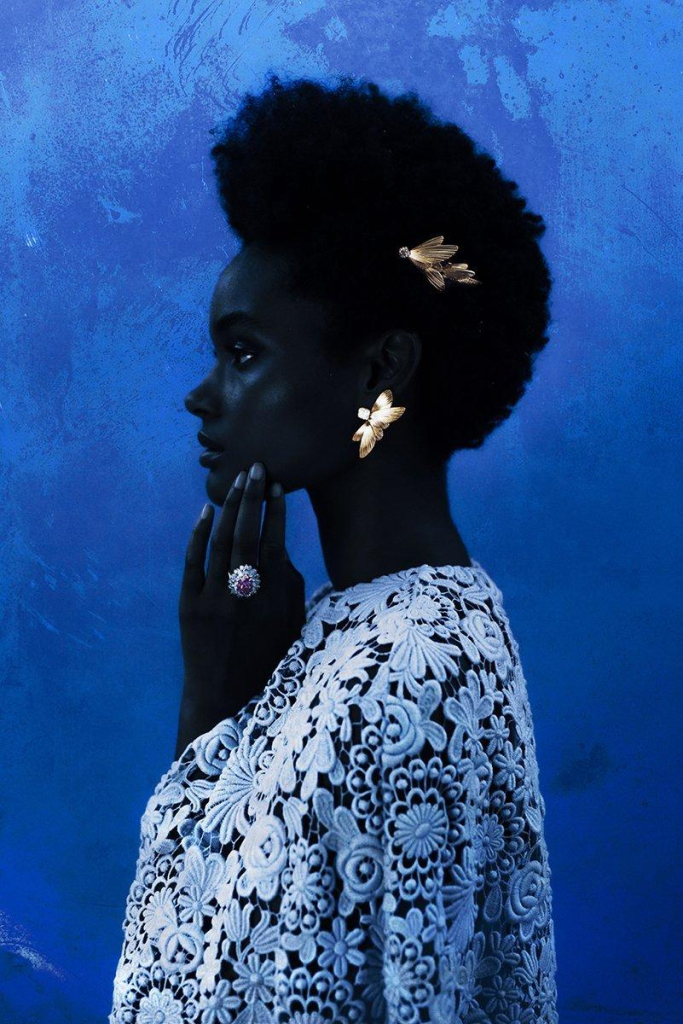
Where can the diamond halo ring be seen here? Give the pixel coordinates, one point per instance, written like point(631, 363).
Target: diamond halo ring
point(244, 581)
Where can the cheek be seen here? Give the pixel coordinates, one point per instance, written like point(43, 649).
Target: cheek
point(309, 421)
point(303, 406)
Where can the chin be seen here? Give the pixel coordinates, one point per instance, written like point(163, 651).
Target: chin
point(219, 480)
point(217, 485)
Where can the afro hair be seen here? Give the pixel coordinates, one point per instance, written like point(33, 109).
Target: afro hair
point(343, 176)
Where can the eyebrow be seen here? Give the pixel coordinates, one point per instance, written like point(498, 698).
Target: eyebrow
point(238, 318)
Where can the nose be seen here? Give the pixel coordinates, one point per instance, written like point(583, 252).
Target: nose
point(196, 402)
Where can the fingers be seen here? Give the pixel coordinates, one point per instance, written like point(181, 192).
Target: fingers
point(195, 556)
point(235, 539)
point(222, 540)
point(273, 535)
point(246, 537)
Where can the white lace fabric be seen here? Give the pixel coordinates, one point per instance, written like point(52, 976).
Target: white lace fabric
point(363, 842)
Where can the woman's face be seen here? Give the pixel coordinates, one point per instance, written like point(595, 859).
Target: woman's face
point(272, 395)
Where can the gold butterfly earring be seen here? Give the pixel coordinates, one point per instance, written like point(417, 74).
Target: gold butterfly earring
point(376, 421)
point(430, 258)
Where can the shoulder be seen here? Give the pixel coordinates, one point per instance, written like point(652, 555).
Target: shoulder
point(409, 639)
point(422, 659)
point(430, 623)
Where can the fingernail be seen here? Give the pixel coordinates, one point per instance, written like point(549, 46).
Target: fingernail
point(205, 511)
point(256, 471)
point(240, 479)
point(275, 490)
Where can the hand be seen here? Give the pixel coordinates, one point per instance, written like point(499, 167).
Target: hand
point(231, 645)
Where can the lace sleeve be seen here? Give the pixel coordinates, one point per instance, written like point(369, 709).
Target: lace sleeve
point(388, 847)
point(434, 799)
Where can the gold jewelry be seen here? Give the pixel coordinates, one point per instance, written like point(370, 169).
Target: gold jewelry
point(430, 257)
point(376, 420)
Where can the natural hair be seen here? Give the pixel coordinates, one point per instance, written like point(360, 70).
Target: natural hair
point(343, 177)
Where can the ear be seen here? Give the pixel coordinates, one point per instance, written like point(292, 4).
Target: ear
point(391, 360)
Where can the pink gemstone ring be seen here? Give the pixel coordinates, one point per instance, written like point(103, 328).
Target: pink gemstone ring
point(244, 581)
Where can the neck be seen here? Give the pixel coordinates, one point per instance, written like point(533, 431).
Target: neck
point(387, 512)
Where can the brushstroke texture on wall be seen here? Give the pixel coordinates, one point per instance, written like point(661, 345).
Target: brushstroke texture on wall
point(112, 238)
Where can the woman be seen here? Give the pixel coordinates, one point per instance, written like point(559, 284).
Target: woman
point(352, 830)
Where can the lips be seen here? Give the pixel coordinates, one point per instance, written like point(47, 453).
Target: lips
point(208, 442)
point(207, 458)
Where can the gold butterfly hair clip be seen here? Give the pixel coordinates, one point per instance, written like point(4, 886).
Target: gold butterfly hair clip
point(431, 259)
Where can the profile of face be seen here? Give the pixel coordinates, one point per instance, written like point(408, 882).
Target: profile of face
point(273, 395)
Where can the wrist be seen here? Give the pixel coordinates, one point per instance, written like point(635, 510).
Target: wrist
point(196, 717)
point(203, 690)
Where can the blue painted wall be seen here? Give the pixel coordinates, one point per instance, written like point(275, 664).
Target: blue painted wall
point(112, 238)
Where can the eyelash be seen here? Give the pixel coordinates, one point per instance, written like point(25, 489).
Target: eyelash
point(235, 349)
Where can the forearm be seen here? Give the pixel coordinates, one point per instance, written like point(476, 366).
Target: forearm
point(199, 711)
point(194, 720)
point(207, 700)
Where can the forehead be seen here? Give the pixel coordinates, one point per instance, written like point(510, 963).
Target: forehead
point(256, 282)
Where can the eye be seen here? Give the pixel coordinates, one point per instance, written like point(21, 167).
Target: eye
point(236, 351)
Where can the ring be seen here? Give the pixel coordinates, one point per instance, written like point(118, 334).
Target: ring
point(244, 581)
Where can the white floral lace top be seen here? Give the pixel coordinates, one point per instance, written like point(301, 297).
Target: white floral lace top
point(364, 841)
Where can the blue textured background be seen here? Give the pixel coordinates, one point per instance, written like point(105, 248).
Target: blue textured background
point(112, 238)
